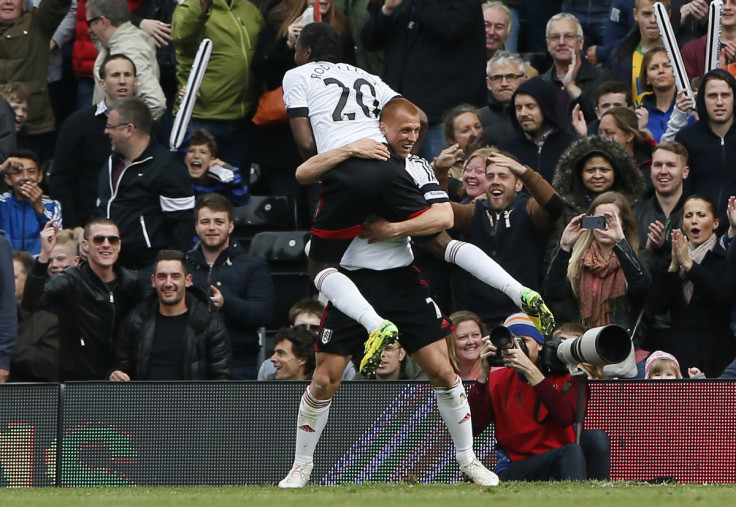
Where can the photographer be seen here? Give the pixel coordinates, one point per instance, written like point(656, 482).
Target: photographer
point(533, 414)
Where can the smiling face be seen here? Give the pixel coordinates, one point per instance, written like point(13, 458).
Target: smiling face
point(465, 127)
point(698, 221)
point(286, 364)
point(659, 72)
point(668, 170)
point(170, 281)
point(198, 160)
point(501, 187)
point(102, 253)
point(529, 114)
point(474, 177)
point(467, 341)
point(28, 173)
point(597, 174)
point(62, 256)
point(401, 129)
point(497, 29)
point(213, 229)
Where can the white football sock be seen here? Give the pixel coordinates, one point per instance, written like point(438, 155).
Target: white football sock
point(346, 297)
point(455, 411)
point(473, 260)
point(312, 418)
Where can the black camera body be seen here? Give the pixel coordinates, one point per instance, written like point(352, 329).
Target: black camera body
point(503, 338)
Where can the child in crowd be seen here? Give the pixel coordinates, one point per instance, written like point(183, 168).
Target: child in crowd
point(17, 96)
point(661, 365)
point(210, 174)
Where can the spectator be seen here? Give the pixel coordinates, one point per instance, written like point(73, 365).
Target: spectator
point(497, 21)
point(505, 72)
point(464, 343)
point(229, 93)
point(626, 59)
point(540, 131)
point(24, 210)
point(589, 167)
point(88, 321)
point(504, 224)
point(144, 188)
point(17, 96)
point(65, 253)
point(172, 335)
point(622, 125)
point(574, 77)
point(599, 268)
point(711, 142)
point(474, 175)
point(24, 52)
point(109, 21)
point(239, 284)
point(464, 134)
point(619, 22)
point(36, 353)
point(532, 448)
point(395, 365)
point(293, 357)
point(570, 331)
point(433, 41)
point(661, 365)
point(8, 310)
point(210, 174)
point(697, 288)
point(608, 94)
point(693, 53)
point(83, 147)
point(658, 79)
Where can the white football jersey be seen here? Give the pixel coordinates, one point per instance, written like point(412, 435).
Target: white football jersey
point(342, 102)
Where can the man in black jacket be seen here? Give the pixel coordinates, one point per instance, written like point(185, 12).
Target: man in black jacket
point(144, 188)
point(92, 298)
point(505, 72)
point(240, 285)
point(172, 336)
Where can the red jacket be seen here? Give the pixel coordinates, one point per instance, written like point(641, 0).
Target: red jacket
point(509, 403)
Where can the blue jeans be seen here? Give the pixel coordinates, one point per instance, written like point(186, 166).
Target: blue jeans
point(589, 460)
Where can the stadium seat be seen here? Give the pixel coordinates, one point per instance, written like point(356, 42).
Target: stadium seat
point(264, 213)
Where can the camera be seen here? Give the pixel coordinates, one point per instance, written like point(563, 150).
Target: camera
point(600, 345)
point(502, 338)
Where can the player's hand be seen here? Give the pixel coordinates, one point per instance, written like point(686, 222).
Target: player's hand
point(217, 298)
point(655, 236)
point(370, 149)
point(159, 31)
point(119, 376)
point(377, 229)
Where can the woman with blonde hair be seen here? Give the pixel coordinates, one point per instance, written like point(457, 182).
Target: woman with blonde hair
point(464, 343)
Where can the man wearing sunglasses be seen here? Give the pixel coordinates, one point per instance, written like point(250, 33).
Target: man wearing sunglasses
point(92, 298)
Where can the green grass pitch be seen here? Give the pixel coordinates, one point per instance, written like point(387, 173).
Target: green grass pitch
point(561, 494)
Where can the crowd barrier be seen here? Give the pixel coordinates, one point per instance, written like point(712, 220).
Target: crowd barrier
point(242, 433)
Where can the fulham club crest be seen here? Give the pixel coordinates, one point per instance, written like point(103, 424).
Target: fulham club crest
point(326, 336)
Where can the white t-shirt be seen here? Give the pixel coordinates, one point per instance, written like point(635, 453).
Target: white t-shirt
point(396, 252)
point(342, 102)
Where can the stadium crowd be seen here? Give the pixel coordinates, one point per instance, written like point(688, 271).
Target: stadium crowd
point(533, 117)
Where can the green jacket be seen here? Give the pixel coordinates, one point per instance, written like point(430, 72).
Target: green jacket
point(229, 89)
point(24, 57)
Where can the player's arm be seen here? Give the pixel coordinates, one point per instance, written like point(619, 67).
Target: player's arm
point(434, 219)
point(312, 170)
point(301, 129)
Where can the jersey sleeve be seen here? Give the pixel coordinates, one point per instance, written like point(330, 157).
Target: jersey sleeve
point(421, 171)
point(295, 93)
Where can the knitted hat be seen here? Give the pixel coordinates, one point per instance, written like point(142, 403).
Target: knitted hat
point(655, 356)
point(521, 325)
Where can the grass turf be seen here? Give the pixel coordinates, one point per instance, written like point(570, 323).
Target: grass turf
point(562, 494)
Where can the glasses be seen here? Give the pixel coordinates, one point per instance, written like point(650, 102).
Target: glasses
point(569, 37)
point(30, 171)
point(110, 127)
point(100, 239)
point(92, 20)
point(497, 78)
